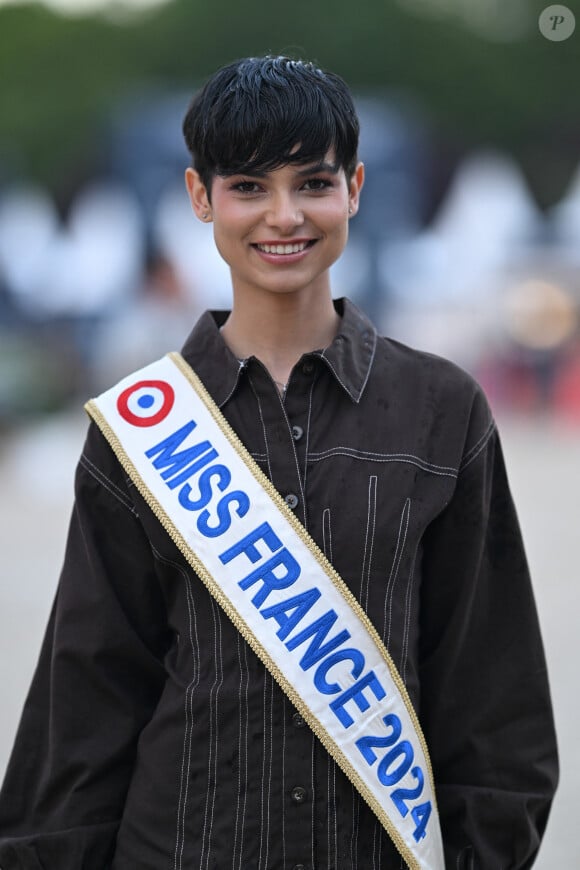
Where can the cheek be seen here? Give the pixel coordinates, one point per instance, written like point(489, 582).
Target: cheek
point(232, 225)
point(222, 242)
point(334, 217)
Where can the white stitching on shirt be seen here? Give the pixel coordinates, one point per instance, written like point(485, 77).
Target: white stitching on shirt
point(328, 826)
point(355, 827)
point(474, 447)
point(376, 825)
point(266, 763)
point(284, 714)
point(270, 681)
point(356, 398)
point(339, 379)
point(213, 738)
point(370, 532)
point(395, 570)
point(481, 445)
point(220, 617)
point(407, 620)
point(243, 753)
point(308, 421)
point(335, 815)
point(313, 793)
point(371, 361)
point(331, 824)
point(107, 483)
point(263, 424)
point(262, 813)
point(188, 699)
point(299, 478)
point(327, 534)
point(297, 464)
point(354, 453)
point(242, 365)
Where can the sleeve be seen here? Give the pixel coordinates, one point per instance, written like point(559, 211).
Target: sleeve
point(97, 683)
point(485, 700)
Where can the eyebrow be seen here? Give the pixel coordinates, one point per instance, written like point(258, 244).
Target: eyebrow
point(322, 166)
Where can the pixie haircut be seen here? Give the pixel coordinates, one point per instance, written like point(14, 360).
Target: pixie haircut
point(258, 114)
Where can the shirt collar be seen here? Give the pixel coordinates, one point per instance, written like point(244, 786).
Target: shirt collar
point(349, 357)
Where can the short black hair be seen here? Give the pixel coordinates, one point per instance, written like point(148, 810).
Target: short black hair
point(251, 115)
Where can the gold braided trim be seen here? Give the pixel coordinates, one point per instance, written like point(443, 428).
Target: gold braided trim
point(215, 589)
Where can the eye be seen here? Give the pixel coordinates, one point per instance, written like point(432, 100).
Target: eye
point(317, 184)
point(246, 187)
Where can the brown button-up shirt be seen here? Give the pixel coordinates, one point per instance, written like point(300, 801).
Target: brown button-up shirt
point(154, 739)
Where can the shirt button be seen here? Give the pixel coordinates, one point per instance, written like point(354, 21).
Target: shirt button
point(297, 432)
point(308, 368)
point(298, 721)
point(291, 500)
point(299, 867)
point(298, 794)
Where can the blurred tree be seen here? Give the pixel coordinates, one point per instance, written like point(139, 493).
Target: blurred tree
point(59, 77)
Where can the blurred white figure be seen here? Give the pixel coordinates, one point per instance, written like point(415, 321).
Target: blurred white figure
point(97, 258)
point(564, 220)
point(488, 216)
point(188, 245)
point(447, 279)
point(157, 319)
point(29, 227)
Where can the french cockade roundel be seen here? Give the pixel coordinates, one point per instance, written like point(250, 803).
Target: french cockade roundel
point(146, 403)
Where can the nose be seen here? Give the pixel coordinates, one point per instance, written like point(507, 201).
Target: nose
point(284, 213)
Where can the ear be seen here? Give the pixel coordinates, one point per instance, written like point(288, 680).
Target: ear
point(354, 188)
point(197, 195)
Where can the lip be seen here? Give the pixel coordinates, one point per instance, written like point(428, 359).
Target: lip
point(284, 259)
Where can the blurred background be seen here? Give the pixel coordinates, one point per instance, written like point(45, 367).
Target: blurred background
point(467, 244)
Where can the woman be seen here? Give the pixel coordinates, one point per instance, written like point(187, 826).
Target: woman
point(153, 735)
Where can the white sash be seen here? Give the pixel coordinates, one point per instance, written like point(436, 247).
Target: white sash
point(279, 590)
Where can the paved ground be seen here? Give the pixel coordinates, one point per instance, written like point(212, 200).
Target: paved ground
point(36, 470)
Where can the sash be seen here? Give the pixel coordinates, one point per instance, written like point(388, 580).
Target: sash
point(279, 590)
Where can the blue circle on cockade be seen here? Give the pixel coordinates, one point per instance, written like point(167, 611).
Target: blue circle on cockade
point(145, 401)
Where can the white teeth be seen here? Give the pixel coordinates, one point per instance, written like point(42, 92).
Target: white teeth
point(283, 249)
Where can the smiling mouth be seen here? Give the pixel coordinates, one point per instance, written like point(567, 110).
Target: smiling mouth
point(284, 248)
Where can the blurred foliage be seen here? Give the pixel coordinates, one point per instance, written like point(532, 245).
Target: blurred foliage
point(60, 77)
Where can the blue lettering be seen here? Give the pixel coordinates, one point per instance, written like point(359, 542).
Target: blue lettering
point(319, 629)
point(172, 462)
point(225, 519)
point(195, 466)
point(355, 693)
point(298, 605)
point(348, 654)
point(205, 489)
point(265, 573)
point(247, 545)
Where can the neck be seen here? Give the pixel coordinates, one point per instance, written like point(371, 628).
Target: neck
point(280, 330)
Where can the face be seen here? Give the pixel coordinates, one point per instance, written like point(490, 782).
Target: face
point(280, 231)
